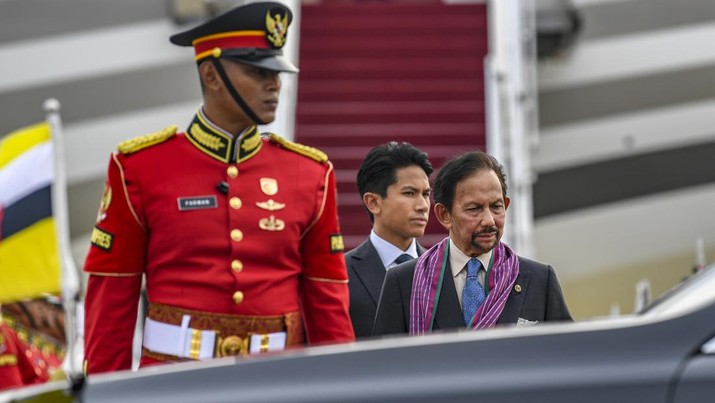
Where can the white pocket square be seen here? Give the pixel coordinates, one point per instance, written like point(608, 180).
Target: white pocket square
point(521, 322)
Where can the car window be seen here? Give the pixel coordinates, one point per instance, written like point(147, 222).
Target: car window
point(687, 296)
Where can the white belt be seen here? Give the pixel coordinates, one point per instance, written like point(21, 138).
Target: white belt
point(183, 341)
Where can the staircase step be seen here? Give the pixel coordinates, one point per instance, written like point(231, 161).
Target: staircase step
point(390, 112)
point(394, 73)
point(391, 131)
point(466, 93)
point(391, 118)
point(390, 18)
point(347, 153)
point(465, 64)
point(381, 108)
point(353, 89)
point(346, 158)
point(341, 46)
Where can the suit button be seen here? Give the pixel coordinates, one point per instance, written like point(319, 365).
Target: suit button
point(517, 288)
point(235, 203)
point(237, 297)
point(237, 235)
point(237, 266)
point(232, 172)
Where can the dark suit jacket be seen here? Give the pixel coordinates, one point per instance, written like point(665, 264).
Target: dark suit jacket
point(366, 273)
point(539, 299)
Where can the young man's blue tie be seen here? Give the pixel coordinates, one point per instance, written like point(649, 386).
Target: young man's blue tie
point(403, 258)
point(473, 294)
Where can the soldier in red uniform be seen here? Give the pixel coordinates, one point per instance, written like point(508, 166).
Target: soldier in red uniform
point(236, 233)
point(20, 364)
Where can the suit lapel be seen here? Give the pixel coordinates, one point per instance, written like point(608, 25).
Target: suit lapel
point(420, 249)
point(369, 269)
point(449, 313)
point(512, 308)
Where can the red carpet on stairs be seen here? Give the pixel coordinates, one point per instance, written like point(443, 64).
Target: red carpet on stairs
point(376, 72)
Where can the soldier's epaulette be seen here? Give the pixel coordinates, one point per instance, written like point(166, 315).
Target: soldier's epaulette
point(310, 152)
point(148, 140)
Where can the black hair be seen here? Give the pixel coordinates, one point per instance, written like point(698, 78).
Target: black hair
point(379, 168)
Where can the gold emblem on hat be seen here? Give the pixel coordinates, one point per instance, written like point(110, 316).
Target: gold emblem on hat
point(271, 224)
point(270, 205)
point(276, 28)
point(104, 203)
point(269, 186)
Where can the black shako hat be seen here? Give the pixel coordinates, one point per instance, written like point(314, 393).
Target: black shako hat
point(252, 34)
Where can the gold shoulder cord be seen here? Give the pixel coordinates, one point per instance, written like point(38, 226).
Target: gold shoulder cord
point(310, 152)
point(142, 142)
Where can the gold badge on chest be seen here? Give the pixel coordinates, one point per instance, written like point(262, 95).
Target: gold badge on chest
point(271, 224)
point(269, 186)
point(270, 205)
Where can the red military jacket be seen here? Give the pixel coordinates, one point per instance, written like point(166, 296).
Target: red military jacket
point(20, 364)
point(246, 226)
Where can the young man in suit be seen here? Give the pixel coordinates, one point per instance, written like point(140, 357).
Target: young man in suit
point(471, 279)
point(393, 181)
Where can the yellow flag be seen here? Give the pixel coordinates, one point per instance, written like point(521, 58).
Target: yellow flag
point(29, 260)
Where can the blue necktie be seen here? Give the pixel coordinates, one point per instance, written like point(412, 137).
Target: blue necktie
point(403, 258)
point(473, 293)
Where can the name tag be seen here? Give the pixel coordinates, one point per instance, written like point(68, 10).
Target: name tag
point(196, 203)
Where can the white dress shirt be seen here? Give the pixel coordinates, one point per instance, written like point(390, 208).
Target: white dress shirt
point(389, 252)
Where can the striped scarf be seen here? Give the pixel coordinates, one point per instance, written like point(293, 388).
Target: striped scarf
point(427, 285)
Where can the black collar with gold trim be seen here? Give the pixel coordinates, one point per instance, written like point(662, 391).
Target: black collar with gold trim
point(221, 146)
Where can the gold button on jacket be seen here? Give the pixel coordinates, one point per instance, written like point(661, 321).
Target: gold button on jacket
point(237, 266)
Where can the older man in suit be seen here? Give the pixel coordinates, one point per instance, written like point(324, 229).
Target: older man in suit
point(471, 279)
point(393, 181)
